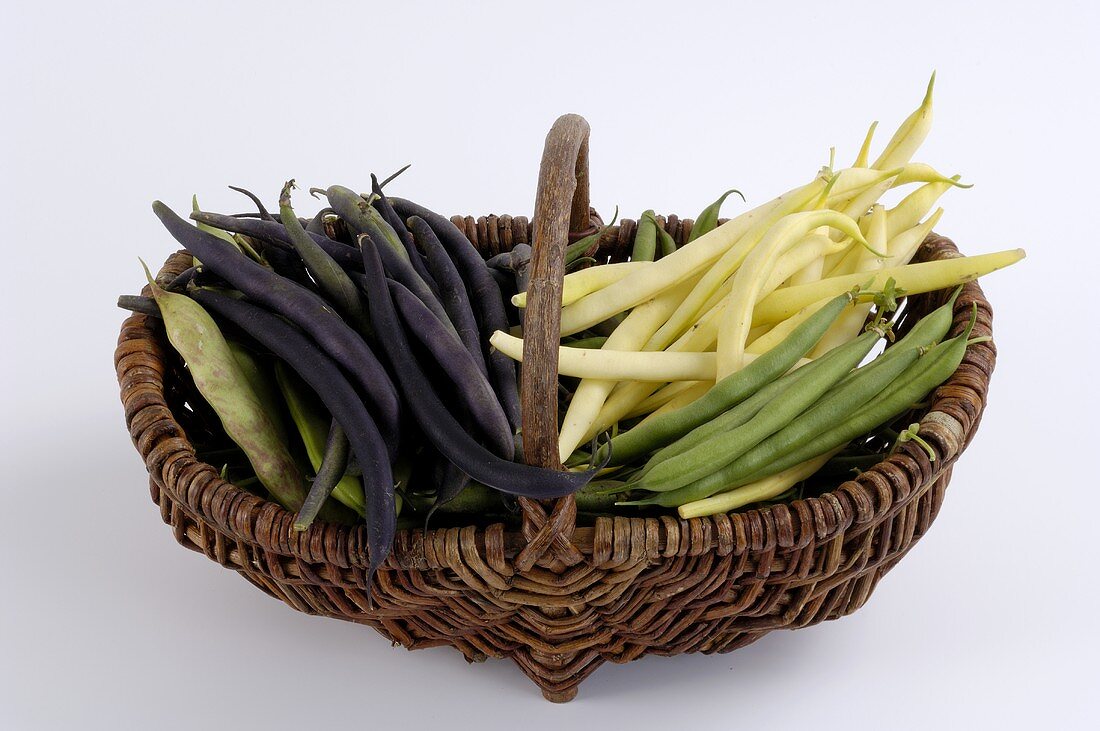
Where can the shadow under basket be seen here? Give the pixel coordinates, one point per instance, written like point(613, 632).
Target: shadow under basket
point(557, 597)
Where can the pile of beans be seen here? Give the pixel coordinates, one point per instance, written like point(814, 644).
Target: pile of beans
point(363, 361)
point(379, 309)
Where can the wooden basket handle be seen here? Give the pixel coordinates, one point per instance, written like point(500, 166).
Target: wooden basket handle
point(561, 208)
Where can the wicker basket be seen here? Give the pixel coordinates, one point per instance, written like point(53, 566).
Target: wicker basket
point(559, 598)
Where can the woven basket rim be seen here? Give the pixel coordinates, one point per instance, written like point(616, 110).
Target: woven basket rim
point(170, 459)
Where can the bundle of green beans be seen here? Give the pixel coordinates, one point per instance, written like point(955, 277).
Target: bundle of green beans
point(803, 416)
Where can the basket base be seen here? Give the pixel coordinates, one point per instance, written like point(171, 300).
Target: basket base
point(560, 696)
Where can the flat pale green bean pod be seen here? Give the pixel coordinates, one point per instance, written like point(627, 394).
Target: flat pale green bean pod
point(219, 378)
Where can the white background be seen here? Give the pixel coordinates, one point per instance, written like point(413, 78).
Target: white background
point(106, 623)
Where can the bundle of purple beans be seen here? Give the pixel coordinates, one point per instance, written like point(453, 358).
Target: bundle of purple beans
point(382, 311)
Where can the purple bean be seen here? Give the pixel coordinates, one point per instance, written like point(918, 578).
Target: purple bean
point(338, 396)
point(300, 306)
point(276, 234)
point(455, 300)
point(433, 418)
point(471, 386)
point(485, 297)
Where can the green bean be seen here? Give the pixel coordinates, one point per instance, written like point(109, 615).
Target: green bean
point(865, 385)
point(596, 341)
point(783, 486)
point(223, 235)
point(314, 424)
point(334, 462)
point(475, 498)
point(218, 377)
point(729, 391)
point(932, 369)
point(774, 455)
point(664, 238)
point(581, 247)
point(645, 238)
point(592, 500)
point(927, 331)
point(708, 219)
point(239, 243)
point(720, 451)
point(583, 262)
point(927, 373)
point(362, 218)
point(733, 418)
point(262, 382)
point(330, 276)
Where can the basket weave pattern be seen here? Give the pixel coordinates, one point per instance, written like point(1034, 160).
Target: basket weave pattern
point(556, 598)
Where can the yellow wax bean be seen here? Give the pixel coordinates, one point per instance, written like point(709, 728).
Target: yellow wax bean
point(913, 278)
point(679, 265)
point(881, 181)
point(695, 390)
point(764, 489)
point(734, 327)
point(777, 333)
point(903, 247)
point(909, 136)
point(631, 334)
point(865, 149)
point(813, 269)
point(811, 249)
point(665, 395)
point(850, 182)
point(619, 365)
point(620, 403)
point(724, 268)
point(899, 249)
point(856, 204)
point(914, 207)
point(850, 322)
point(918, 172)
point(586, 281)
point(859, 205)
